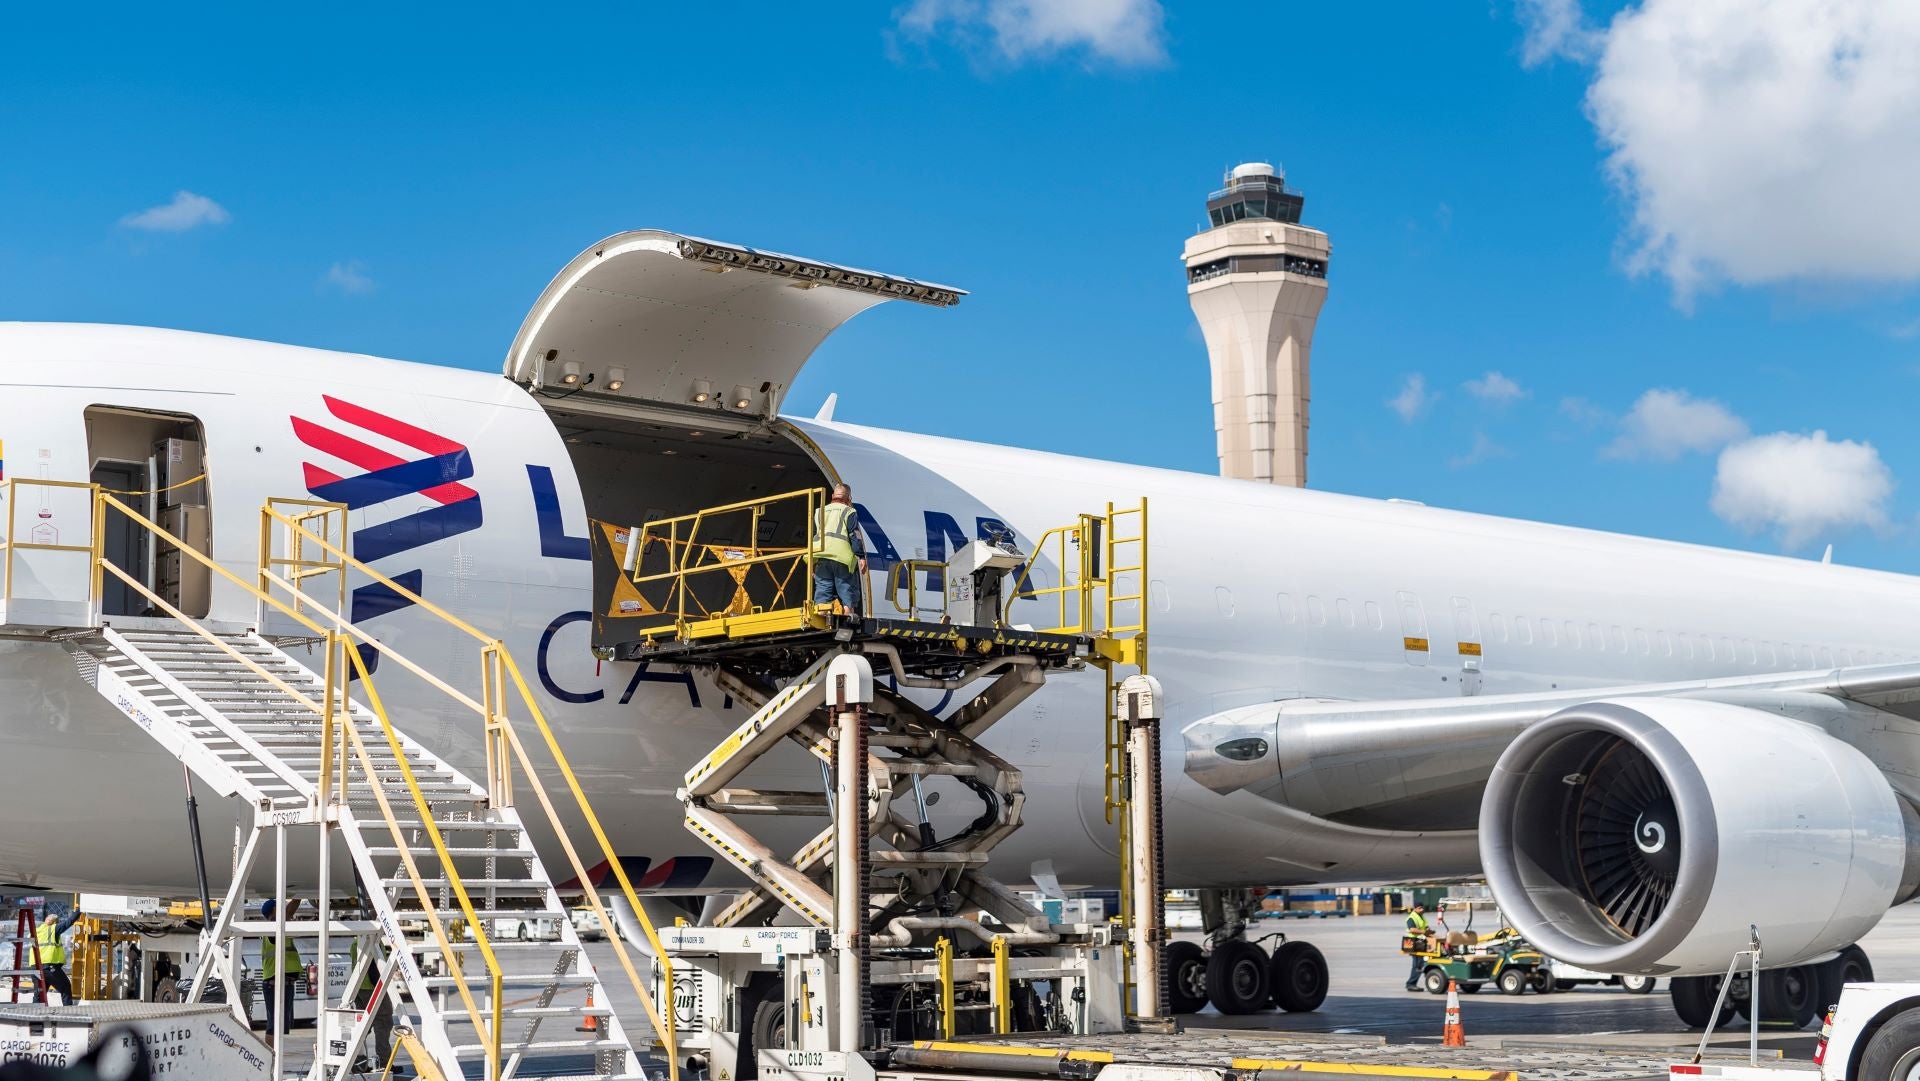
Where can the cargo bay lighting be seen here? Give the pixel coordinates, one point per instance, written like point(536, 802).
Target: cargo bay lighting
point(570, 372)
point(616, 378)
point(702, 391)
point(742, 396)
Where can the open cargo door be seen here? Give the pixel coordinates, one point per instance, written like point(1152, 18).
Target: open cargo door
point(659, 319)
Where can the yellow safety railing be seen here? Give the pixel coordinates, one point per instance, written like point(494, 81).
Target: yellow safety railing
point(708, 573)
point(501, 683)
point(13, 543)
point(330, 710)
point(909, 572)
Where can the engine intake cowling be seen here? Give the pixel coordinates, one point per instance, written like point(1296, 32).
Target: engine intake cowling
point(1644, 835)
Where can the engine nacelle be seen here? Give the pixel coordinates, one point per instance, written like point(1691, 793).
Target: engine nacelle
point(1644, 835)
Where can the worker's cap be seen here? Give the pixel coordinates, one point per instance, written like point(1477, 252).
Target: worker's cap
point(268, 906)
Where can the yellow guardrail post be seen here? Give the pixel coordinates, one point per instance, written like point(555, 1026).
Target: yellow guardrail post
point(1002, 987)
point(943, 949)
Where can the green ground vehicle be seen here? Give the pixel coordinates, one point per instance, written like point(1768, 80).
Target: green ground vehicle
point(1471, 960)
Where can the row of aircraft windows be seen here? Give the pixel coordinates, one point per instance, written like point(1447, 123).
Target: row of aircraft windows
point(1569, 634)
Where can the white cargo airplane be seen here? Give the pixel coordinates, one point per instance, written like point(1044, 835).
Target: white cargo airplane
point(1645, 746)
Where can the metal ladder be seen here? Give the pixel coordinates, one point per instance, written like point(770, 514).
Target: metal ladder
point(245, 735)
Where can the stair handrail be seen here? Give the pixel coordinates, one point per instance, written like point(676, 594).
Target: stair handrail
point(327, 711)
point(11, 543)
point(501, 741)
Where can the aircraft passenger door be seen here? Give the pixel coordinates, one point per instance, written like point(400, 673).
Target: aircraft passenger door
point(1413, 629)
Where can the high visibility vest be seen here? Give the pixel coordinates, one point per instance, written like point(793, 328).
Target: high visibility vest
point(353, 957)
point(833, 527)
point(270, 966)
point(1416, 923)
point(48, 936)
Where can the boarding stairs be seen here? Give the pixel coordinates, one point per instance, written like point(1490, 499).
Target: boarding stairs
point(241, 726)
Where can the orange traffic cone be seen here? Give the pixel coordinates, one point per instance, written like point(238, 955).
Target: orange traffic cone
point(592, 1022)
point(1826, 1033)
point(1453, 1035)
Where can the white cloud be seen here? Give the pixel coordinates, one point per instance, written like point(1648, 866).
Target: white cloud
point(1413, 399)
point(349, 277)
point(1554, 28)
point(1496, 388)
point(1483, 449)
point(1761, 141)
point(1125, 32)
point(1801, 487)
point(187, 211)
point(1664, 424)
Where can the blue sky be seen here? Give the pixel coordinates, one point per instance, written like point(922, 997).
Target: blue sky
point(1590, 202)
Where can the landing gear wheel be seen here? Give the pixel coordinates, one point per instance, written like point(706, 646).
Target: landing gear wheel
point(1851, 966)
point(1237, 977)
point(1298, 975)
point(1186, 977)
point(1513, 981)
point(1693, 998)
point(1434, 980)
point(1638, 985)
point(1544, 983)
point(1893, 1054)
point(1788, 996)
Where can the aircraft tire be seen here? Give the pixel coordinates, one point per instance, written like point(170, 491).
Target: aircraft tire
point(1852, 966)
point(1237, 981)
point(1638, 985)
point(1789, 996)
point(1298, 975)
point(1693, 998)
point(1186, 977)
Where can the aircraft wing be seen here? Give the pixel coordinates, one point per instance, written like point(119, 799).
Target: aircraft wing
point(1418, 756)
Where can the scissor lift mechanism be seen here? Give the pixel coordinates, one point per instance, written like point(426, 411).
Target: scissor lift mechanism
point(885, 931)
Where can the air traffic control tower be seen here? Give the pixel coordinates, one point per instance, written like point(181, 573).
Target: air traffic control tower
point(1256, 279)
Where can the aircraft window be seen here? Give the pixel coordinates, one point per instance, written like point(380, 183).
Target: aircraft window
point(1640, 638)
point(1345, 611)
point(1286, 608)
point(1497, 626)
point(1157, 591)
point(1619, 638)
point(1597, 636)
point(1374, 621)
point(1465, 629)
point(1548, 635)
point(1706, 647)
point(1685, 648)
point(1666, 644)
point(1316, 611)
point(1413, 618)
point(1746, 647)
point(1573, 634)
point(1826, 657)
point(1522, 631)
point(1846, 657)
point(1223, 597)
point(1726, 651)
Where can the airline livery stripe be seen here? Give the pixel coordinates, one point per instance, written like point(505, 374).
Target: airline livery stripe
point(373, 459)
point(397, 430)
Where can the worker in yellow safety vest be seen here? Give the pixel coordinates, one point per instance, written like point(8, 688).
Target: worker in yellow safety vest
point(839, 554)
point(280, 1011)
point(1417, 925)
point(51, 955)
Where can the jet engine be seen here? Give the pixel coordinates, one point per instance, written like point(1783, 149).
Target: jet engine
point(1645, 835)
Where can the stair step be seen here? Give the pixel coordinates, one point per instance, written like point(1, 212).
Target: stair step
point(516, 979)
point(478, 913)
point(458, 824)
point(456, 852)
point(514, 884)
point(465, 1050)
point(558, 1011)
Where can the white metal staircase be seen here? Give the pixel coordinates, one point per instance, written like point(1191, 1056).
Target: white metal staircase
point(247, 733)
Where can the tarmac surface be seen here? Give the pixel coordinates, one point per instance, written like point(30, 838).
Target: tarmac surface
point(1367, 1003)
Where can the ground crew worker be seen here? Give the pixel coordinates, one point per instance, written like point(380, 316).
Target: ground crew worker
point(382, 1010)
point(839, 554)
point(52, 955)
point(279, 1013)
point(1417, 925)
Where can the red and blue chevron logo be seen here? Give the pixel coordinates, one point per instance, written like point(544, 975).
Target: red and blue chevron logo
point(433, 469)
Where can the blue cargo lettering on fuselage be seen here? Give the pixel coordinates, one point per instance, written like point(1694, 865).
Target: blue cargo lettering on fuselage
point(554, 542)
point(881, 554)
